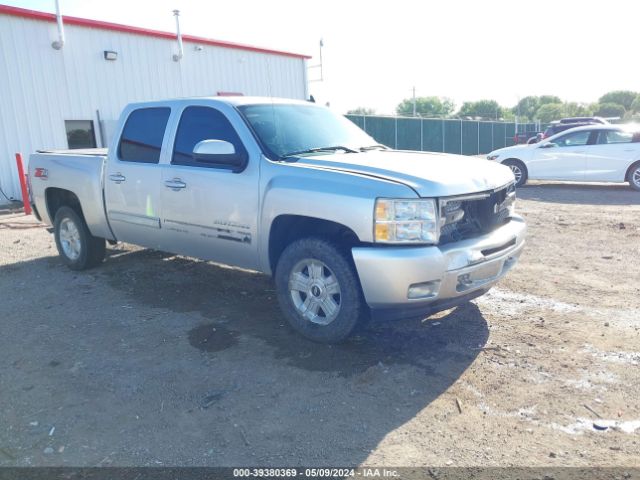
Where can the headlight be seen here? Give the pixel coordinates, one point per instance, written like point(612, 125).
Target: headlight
point(493, 157)
point(509, 204)
point(406, 221)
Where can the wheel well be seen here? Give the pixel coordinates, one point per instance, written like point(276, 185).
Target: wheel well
point(627, 176)
point(288, 228)
point(58, 197)
point(516, 160)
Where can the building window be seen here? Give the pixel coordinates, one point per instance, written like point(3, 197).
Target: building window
point(80, 134)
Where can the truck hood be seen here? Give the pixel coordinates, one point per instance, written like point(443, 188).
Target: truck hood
point(428, 174)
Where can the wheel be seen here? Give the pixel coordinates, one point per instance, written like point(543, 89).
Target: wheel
point(318, 290)
point(634, 176)
point(77, 247)
point(519, 170)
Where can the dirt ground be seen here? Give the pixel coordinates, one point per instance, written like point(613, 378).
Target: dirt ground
point(153, 359)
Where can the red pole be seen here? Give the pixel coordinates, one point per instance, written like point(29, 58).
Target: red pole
point(23, 185)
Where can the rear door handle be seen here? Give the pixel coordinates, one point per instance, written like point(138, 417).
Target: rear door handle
point(176, 184)
point(118, 178)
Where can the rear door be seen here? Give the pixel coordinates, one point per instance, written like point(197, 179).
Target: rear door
point(208, 212)
point(611, 156)
point(133, 178)
point(563, 158)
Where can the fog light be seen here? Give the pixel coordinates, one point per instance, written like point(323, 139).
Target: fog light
point(424, 290)
point(464, 280)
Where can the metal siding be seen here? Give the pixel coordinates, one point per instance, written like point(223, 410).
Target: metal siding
point(41, 87)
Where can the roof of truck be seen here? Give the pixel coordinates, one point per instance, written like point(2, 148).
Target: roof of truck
point(243, 100)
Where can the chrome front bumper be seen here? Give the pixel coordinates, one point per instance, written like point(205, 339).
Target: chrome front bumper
point(454, 272)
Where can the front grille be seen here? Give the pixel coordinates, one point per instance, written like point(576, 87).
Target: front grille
point(472, 215)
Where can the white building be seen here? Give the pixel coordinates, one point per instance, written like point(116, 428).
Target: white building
point(71, 97)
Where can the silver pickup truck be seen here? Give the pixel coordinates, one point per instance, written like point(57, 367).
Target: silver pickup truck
point(348, 228)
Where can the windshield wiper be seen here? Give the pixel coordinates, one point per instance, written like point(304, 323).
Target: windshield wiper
point(320, 149)
point(374, 147)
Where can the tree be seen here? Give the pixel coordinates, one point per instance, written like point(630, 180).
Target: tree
point(362, 111)
point(527, 107)
point(484, 109)
point(573, 109)
point(635, 106)
point(547, 99)
point(550, 111)
point(426, 107)
point(611, 110)
point(619, 97)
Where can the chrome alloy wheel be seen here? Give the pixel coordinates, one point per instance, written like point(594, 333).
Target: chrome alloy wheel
point(70, 239)
point(517, 172)
point(315, 291)
point(635, 177)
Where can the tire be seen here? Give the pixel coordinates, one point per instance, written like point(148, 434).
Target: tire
point(78, 248)
point(519, 171)
point(633, 177)
point(318, 290)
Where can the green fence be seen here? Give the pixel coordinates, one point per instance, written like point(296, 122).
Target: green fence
point(467, 137)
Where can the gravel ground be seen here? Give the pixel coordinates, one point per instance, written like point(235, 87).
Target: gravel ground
point(154, 359)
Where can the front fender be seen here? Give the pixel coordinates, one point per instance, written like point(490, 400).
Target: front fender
point(346, 199)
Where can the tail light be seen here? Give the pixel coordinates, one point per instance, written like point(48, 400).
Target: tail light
point(41, 173)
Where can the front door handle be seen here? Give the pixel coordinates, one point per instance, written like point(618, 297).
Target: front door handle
point(176, 184)
point(118, 178)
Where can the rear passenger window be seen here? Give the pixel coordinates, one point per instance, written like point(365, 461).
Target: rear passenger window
point(142, 136)
point(614, 136)
point(202, 123)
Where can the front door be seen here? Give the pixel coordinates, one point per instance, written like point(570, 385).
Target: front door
point(133, 178)
point(564, 158)
point(208, 212)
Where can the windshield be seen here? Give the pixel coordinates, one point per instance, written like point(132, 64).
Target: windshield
point(286, 129)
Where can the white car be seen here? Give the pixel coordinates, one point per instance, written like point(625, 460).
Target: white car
point(592, 153)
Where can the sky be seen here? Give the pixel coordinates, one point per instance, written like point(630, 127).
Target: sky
point(376, 52)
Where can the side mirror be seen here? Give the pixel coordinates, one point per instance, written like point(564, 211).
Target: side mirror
point(219, 154)
point(548, 145)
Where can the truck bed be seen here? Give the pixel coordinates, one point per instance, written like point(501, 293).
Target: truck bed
point(79, 172)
